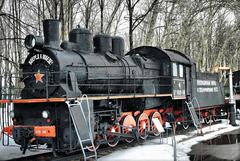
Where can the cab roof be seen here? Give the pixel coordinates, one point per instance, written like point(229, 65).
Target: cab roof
point(160, 54)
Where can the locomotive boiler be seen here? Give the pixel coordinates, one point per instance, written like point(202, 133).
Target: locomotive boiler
point(126, 91)
point(74, 67)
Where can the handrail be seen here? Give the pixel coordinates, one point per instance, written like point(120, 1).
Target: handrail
point(5, 123)
point(12, 89)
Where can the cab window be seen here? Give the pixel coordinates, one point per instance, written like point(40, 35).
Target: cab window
point(180, 70)
point(175, 69)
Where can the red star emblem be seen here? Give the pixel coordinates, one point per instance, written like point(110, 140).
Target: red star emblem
point(38, 76)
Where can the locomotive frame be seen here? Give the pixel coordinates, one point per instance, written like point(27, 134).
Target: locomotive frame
point(125, 91)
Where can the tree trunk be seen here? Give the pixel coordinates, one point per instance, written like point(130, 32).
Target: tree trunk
point(153, 19)
point(101, 5)
point(113, 14)
point(130, 12)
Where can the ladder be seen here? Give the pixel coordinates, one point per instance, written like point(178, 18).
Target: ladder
point(81, 112)
point(193, 114)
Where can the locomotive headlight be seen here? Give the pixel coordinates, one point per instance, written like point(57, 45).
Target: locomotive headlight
point(45, 114)
point(32, 41)
point(11, 114)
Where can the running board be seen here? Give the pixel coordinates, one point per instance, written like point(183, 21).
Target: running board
point(81, 112)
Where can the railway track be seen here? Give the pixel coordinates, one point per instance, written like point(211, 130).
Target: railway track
point(102, 151)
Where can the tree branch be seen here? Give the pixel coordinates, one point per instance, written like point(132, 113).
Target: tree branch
point(140, 18)
point(2, 4)
point(12, 38)
point(16, 19)
point(10, 61)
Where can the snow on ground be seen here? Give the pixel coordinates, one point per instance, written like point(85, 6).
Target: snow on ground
point(153, 150)
point(11, 141)
point(13, 150)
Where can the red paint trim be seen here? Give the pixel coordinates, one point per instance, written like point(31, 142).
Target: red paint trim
point(33, 100)
point(7, 130)
point(45, 131)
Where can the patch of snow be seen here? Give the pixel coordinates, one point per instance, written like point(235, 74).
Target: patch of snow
point(152, 150)
point(11, 141)
point(142, 153)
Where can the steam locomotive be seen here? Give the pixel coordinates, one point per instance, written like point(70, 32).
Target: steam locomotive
point(126, 91)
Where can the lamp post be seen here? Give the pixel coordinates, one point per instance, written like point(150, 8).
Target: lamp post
point(232, 101)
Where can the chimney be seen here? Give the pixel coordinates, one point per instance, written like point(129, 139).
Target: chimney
point(51, 33)
point(118, 46)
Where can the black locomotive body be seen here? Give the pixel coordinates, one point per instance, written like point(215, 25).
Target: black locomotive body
point(236, 89)
point(236, 82)
point(147, 80)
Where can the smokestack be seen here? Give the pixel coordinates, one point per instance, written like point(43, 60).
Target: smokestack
point(118, 46)
point(51, 33)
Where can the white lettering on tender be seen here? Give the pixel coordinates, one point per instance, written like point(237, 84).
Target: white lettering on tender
point(206, 83)
point(202, 86)
point(207, 89)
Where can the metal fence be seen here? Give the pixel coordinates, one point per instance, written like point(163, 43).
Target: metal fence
point(12, 84)
point(5, 121)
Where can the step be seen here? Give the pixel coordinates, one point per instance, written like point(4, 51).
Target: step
point(91, 156)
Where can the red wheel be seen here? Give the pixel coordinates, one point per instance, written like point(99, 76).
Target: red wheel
point(143, 125)
point(90, 148)
point(128, 123)
point(112, 139)
point(153, 127)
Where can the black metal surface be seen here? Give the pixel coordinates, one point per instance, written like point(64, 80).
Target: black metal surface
point(31, 115)
point(80, 117)
point(232, 115)
point(176, 56)
point(179, 87)
point(236, 81)
point(144, 70)
point(51, 33)
point(208, 91)
point(118, 46)
point(76, 69)
point(102, 43)
point(236, 78)
point(82, 38)
point(37, 39)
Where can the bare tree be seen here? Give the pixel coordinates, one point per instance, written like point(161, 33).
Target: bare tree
point(88, 6)
point(151, 22)
point(1, 5)
point(136, 20)
point(117, 5)
point(101, 5)
point(202, 29)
